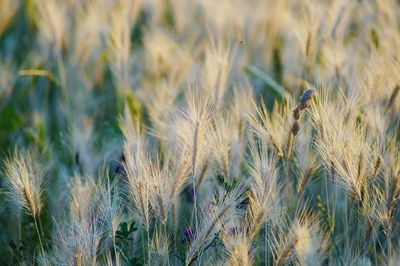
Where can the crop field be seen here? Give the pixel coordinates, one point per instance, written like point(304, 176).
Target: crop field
point(200, 132)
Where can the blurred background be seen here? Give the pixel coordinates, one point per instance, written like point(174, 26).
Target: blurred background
point(71, 69)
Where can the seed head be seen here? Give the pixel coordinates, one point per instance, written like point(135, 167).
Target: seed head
point(296, 113)
point(295, 127)
point(305, 98)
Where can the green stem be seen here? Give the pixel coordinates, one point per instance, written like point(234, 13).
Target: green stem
point(38, 233)
point(143, 253)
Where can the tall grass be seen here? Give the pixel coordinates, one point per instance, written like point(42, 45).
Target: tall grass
point(202, 132)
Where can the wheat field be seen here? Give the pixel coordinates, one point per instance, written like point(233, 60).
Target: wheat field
point(199, 132)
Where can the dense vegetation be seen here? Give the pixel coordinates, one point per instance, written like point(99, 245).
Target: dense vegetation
point(202, 132)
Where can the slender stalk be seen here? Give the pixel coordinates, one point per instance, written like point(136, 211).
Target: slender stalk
point(266, 255)
point(38, 233)
point(194, 156)
point(143, 253)
point(287, 166)
point(194, 212)
point(148, 245)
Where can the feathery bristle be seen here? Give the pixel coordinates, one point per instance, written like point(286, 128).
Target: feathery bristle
point(25, 182)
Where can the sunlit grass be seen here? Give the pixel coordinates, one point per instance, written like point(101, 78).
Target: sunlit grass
point(147, 132)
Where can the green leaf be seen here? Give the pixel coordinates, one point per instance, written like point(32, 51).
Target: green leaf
point(270, 83)
point(124, 233)
point(132, 228)
point(220, 179)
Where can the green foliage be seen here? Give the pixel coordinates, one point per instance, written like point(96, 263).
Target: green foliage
point(136, 127)
point(269, 84)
